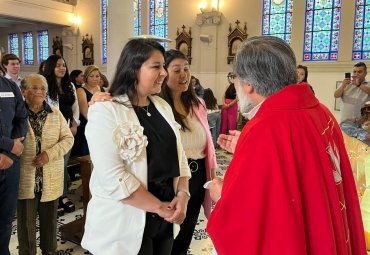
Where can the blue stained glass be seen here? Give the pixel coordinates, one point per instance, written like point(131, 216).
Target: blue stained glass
point(277, 19)
point(13, 43)
point(322, 24)
point(137, 17)
point(158, 18)
point(43, 45)
point(361, 33)
point(104, 30)
point(28, 48)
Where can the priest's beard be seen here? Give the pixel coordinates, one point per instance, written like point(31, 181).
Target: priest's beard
point(244, 103)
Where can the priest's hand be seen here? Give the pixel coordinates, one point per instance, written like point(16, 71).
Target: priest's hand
point(228, 142)
point(215, 188)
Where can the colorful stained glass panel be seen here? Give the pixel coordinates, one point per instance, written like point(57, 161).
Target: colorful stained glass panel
point(361, 34)
point(28, 48)
point(322, 24)
point(43, 45)
point(158, 18)
point(137, 17)
point(13, 43)
point(277, 19)
point(104, 30)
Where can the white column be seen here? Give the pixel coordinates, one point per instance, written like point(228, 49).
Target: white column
point(120, 28)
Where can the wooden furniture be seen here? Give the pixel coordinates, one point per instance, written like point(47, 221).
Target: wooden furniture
point(87, 50)
point(58, 46)
point(234, 39)
point(74, 230)
point(183, 42)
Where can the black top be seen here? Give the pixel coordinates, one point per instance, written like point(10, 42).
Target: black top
point(163, 163)
point(230, 92)
point(66, 100)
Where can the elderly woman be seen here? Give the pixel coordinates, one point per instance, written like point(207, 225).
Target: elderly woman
point(41, 177)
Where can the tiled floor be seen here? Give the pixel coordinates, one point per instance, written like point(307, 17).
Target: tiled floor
point(201, 244)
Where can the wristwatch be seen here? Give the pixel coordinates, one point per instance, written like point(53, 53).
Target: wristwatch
point(185, 191)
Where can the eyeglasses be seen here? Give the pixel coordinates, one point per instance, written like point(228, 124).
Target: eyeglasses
point(36, 89)
point(231, 76)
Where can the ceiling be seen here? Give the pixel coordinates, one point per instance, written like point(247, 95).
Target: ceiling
point(7, 21)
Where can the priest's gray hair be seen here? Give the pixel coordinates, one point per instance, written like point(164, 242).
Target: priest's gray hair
point(266, 62)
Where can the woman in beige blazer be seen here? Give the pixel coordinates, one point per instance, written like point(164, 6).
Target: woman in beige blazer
point(42, 164)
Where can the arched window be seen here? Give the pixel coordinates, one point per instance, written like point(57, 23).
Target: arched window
point(277, 19)
point(361, 35)
point(137, 17)
point(28, 48)
point(158, 18)
point(13, 43)
point(104, 29)
point(321, 37)
point(43, 45)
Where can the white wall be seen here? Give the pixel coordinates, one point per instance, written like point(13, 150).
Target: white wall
point(209, 61)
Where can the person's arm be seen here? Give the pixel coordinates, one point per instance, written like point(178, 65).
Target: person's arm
point(339, 92)
point(5, 162)
point(228, 142)
point(235, 101)
point(365, 88)
point(82, 102)
point(180, 202)
point(117, 181)
point(75, 109)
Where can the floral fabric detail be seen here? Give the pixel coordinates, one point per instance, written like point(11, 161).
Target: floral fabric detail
point(130, 141)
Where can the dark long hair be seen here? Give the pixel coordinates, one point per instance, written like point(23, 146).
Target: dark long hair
point(188, 97)
point(74, 74)
point(49, 74)
point(210, 100)
point(133, 55)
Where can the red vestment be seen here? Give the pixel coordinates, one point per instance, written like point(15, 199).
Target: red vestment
point(289, 188)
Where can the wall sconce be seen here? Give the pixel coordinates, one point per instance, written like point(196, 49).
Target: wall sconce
point(209, 15)
point(203, 6)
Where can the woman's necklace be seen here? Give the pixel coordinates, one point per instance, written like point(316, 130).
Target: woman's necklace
point(146, 110)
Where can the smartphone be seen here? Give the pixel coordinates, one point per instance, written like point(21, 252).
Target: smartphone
point(347, 75)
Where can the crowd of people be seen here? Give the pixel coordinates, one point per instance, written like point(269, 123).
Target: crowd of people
point(151, 136)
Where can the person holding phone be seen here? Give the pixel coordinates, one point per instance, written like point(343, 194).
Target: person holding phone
point(354, 92)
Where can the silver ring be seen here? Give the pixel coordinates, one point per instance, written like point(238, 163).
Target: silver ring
point(193, 165)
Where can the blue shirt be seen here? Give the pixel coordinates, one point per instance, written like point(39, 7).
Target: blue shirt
point(13, 116)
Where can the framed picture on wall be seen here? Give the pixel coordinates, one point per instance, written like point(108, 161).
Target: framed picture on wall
point(337, 100)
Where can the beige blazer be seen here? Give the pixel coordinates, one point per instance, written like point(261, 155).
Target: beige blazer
point(57, 140)
point(113, 227)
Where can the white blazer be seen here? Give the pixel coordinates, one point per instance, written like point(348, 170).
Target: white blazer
point(113, 227)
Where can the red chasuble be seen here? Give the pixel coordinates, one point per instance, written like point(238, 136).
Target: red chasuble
point(289, 188)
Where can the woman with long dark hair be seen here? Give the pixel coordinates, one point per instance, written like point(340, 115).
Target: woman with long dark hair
point(229, 110)
point(139, 185)
point(62, 94)
point(190, 112)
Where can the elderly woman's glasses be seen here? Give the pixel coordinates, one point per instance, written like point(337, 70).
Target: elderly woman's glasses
point(36, 89)
point(231, 76)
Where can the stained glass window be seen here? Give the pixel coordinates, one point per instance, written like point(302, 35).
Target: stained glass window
point(277, 19)
point(137, 17)
point(158, 18)
point(43, 45)
point(13, 43)
point(104, 29)
point(322, 24)
point(361, 36)
point(28, 48)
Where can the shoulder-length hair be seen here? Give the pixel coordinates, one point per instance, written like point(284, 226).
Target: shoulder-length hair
point(188, 97)
point(133, 55)
point(49, 74)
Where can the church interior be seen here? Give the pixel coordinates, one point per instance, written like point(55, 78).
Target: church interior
point(209, 32)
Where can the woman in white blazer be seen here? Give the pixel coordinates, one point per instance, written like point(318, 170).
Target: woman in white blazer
point(139, 184)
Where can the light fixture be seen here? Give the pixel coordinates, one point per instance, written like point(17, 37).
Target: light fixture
point(204, 6)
